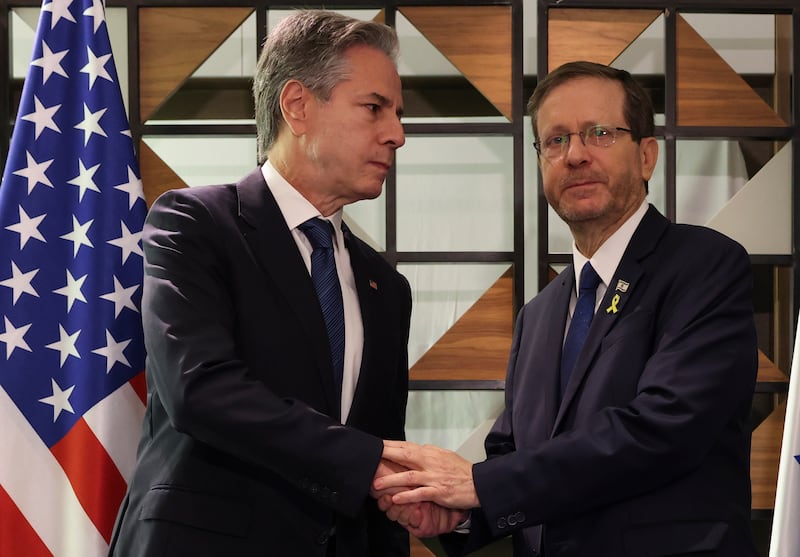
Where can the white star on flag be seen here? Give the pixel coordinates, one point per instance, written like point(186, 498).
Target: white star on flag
point(65, 344)
point(27, 228)
point(60, 9)
point(96, 11)
point(50, 62)
point(59, 400)
point(128, 242)
point(96, 67)
point(35, 172)
point(113, 352)
point(84, 179)
point(72, 290)
point(122, 297)
point(133, 187)
point(14, 337)
point(91, 123)
point(20, 283)
point(79, 235)
point(42, 117)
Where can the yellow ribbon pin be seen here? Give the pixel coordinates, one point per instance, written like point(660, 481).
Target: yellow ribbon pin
point(613, 307)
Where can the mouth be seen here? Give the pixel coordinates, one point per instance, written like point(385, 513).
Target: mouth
point(382, 165)
point(581, 182)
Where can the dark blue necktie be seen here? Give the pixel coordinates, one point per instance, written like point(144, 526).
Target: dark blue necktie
point(579, 326)
point(326, 282)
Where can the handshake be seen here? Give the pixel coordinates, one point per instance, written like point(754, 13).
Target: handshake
point(426, 489)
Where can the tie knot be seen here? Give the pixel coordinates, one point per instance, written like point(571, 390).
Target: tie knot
point(319, 232)
point(589, 278)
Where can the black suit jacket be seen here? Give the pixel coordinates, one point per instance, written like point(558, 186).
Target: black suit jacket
point(239, 455)
point(648, 453)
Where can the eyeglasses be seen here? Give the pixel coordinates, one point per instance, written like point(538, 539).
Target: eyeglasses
point(555, 146)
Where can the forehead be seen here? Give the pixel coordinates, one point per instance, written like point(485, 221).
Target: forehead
point(582, 102)
point(371, 71)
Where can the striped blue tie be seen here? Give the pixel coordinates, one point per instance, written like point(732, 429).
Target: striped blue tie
point(326, 282)
point(579, 326)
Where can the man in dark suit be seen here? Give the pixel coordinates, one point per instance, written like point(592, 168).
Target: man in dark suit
point(258, 439)
point(641, 446)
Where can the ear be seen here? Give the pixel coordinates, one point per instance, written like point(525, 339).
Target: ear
point(293, 101)
point(648, 154)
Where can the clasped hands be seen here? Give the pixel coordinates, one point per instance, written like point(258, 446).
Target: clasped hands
point(426, 489)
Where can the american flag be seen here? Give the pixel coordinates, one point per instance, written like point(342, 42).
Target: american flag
point(71, 346)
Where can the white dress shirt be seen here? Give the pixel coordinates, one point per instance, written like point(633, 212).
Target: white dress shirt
point(296, 210)
point(605, 260)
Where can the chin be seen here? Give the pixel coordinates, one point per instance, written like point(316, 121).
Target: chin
point(371, 191)
point(574, 213)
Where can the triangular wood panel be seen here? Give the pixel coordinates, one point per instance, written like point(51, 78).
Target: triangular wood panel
point(476, 347)
point(710, 92)
point(768, 372)
point(476, 40)
point(157, 176)
point(173, 43)
point(611, 32)
point(765, 454)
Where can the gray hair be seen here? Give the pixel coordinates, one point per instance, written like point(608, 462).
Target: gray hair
point(308, 46)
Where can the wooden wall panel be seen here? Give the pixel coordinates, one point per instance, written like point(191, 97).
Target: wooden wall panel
point(595, 35)
point(476, 40)
point(157, 176)
point(765, 454)
point(173, 43)
point(710, 92)
point(476, 347)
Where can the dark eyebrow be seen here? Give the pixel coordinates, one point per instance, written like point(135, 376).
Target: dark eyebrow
point(383, 101)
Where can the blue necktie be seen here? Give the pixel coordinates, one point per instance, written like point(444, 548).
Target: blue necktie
point(579, 326)
point(326, 282)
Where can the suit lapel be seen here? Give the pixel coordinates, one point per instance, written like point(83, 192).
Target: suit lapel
point(549, 352)
point(275, 250)
point(623, 285)
point(368, 297)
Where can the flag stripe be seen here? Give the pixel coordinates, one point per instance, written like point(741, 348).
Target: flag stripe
point(97, 483)
point(17, 538)
point(139, 384)
point(116, 422)
point(37, 484)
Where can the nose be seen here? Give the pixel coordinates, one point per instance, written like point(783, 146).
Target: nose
point(577, 153)
point(395, 134)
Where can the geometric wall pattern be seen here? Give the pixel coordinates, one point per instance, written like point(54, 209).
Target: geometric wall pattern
point(595, 35)
point(765, 204)
point(476, 40)
point(710, 91)
point(174, 42)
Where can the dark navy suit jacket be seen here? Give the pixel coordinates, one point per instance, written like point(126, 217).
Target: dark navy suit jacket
point(648, 453)
point(239, 455)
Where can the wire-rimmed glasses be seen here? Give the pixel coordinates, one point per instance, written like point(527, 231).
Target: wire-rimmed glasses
point(555, 146)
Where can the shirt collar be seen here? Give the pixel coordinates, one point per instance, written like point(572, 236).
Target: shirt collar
point(295, 208)
point(606, 259)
